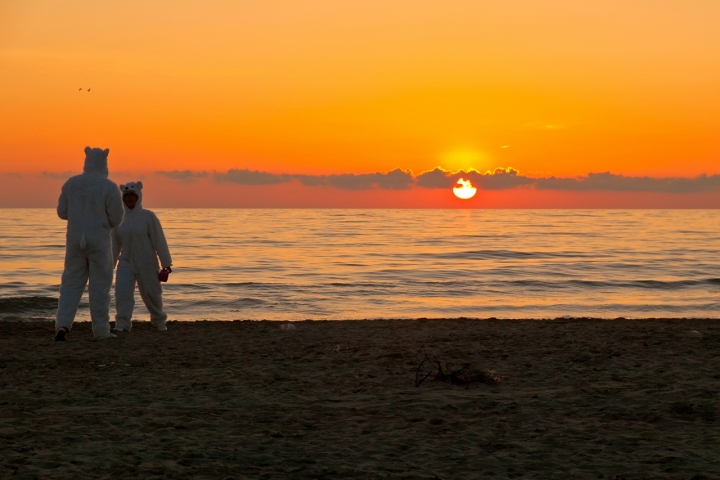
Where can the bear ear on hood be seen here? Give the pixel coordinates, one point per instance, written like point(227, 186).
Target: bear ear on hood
point(139, 184)
point(122, 187)
point(87, 150)
point(106, 151)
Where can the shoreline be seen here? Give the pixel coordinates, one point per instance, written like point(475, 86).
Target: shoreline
point(337, 399)
point(13, 318)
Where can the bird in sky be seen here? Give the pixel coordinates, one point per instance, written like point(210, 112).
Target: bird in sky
point(80, 89)
point(88, 89)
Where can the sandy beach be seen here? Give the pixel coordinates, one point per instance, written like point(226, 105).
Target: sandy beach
point(578, 399)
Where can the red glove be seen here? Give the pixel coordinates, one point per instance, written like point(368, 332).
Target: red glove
point(164, 274)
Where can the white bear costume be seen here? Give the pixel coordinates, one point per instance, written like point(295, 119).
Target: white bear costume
point(137, 245)
point(93, 206)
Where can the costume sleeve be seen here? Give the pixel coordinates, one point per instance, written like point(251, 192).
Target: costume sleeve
point(116, 245)
point(62, 208)
point(157, 237)
point(114, 207)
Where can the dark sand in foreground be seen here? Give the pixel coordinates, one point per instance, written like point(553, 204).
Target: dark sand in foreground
point(582, 399)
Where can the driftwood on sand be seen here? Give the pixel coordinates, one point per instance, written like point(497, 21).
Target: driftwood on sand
point(463, 376)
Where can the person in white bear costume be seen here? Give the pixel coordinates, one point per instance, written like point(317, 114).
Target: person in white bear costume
point(137, 245)
point(92, 206)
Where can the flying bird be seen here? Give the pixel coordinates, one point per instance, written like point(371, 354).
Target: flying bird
point(88, 89)
point(80, 89)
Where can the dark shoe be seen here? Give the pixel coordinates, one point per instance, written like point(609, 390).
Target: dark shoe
point(61, 333)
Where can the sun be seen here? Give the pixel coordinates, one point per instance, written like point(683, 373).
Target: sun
point(465, 190)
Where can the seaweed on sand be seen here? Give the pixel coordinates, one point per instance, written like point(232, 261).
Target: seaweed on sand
point(462, 376)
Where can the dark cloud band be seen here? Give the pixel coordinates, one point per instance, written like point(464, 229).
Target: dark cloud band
point(183, 175)
point(500, 179)
point(620, 183)
point(394, 180)
point(58, 175)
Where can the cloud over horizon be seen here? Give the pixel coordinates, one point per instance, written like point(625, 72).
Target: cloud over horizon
point(186, 176)
point(438, 178)
point(393, 180)
point(59, 175)
point(499, 179)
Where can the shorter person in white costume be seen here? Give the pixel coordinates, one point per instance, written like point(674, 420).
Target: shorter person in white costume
point(137, 245)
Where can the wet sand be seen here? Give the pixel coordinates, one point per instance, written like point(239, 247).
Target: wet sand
point(580, 399)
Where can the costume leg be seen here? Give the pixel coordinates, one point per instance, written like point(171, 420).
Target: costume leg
point(124, 295)
point(72, 286)
point(101, 276)
point(151, 294)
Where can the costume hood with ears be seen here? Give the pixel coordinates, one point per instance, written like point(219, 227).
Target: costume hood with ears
point(134, 187)
point(96, 161)
point(138, 244)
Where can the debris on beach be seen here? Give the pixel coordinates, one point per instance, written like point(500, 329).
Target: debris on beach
point(462, 376)
point(465, 377)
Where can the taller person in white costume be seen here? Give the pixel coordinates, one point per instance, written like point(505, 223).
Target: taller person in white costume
point(92, 206)
point(137, 245)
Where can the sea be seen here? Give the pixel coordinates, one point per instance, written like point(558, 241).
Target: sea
point(331, 264)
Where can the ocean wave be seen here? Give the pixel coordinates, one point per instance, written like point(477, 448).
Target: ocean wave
point(506, 254)
point(318, 264)
point(456, 284)
point(27, 304)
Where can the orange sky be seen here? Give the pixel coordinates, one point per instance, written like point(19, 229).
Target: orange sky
point(557, 87)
